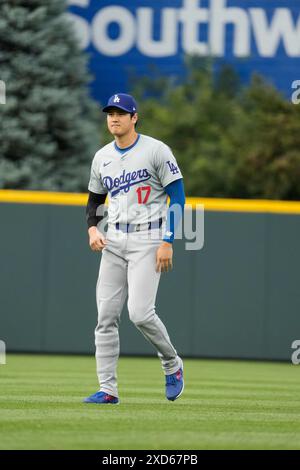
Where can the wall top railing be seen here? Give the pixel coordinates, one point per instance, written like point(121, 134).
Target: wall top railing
point(210, 204)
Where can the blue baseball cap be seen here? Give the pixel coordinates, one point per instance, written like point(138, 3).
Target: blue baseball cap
point(122, 101)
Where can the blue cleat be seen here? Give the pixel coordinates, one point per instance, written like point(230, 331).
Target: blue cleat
point(101, 398)
point(174, 385)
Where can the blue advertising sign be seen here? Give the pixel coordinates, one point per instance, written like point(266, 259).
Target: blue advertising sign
point(126, 37)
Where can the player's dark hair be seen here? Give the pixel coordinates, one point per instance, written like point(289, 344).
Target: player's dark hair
point(132, 114)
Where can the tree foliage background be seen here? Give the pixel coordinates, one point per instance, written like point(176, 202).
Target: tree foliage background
point(49, 127)
point(230, 140)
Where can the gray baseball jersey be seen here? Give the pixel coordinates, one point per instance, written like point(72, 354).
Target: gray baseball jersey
point(134, 179)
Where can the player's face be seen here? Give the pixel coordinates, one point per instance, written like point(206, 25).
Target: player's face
point(120, 123)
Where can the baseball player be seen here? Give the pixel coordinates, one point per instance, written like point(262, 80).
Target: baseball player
point(138, 173)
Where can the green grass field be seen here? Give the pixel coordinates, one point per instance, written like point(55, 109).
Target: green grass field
point(226, 405)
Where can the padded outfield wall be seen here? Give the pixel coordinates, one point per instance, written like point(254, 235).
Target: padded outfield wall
point(237, 297)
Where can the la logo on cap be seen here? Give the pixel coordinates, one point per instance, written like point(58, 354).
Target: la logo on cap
point(116, 99)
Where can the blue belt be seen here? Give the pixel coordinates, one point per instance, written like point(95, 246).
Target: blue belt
point(139, 227)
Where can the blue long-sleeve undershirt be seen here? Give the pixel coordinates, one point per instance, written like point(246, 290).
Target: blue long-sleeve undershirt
point(175, 191)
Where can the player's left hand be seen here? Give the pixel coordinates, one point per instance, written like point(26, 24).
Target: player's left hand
point(164, 257)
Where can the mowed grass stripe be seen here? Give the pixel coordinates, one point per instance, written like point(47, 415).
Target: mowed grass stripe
point(226, 405)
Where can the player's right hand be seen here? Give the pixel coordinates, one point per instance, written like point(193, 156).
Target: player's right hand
point(97, 239)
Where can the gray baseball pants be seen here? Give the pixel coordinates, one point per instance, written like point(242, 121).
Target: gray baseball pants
point(127, 268)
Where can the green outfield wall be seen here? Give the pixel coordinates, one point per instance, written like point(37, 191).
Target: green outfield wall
point(238, 297)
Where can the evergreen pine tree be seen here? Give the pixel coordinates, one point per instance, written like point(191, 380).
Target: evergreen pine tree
point(48, 126)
